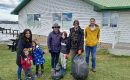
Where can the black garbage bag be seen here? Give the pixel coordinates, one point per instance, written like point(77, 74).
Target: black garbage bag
point(58, 73)
point(79, 68)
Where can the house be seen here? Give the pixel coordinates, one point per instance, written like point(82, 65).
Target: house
point(113, 16)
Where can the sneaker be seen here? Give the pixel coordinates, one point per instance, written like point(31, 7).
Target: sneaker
point(52, 71)
point(94, 69)
point(42, 73)
point(36, 75)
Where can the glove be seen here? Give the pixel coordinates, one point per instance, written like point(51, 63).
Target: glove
point(25, 59)
point(79, 52)
point(43, 52)
point(67, 56)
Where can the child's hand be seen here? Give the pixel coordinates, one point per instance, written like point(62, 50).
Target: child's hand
point(25, 59)
point(31, 62)
point(67, 56)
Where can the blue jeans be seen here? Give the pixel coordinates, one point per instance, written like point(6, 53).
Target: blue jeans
point(54, 59)
point(28, 73)
point(91, 50)
point(19, 71)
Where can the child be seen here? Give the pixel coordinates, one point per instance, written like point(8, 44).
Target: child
point(26, 64)
point(64, 53)
point(38, 59)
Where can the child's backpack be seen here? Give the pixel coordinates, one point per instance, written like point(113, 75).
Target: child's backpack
point(57, 74)
point(79, 68)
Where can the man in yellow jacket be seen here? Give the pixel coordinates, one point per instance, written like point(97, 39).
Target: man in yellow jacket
point(92, 33)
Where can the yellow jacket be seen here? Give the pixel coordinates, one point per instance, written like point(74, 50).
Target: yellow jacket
point(92, 37)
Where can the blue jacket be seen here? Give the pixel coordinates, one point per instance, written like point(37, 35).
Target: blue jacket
point(54, 41)
point(38, 56)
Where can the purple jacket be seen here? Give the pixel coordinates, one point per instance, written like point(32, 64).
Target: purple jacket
point(54, 41)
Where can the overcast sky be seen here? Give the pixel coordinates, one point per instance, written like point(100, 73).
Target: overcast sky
point(6, 6)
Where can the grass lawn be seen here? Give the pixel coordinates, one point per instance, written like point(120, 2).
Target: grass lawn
point(109, 67)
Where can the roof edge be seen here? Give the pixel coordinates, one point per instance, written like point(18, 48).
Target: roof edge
point(20, 7)
point(96, 5)
point(99, 8)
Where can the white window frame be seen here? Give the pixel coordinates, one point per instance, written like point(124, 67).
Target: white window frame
point(116, 15)
point(109, 17)
point(61, 22)
point(34, 21)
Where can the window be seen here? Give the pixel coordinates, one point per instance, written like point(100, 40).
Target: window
point(114, 20)
point(66, 20)
point(106, 18)
point(33, 19)
point(63, 19)
point(57, 18)
point(110, 19)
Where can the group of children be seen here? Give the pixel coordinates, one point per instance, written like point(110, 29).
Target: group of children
point(34, 56)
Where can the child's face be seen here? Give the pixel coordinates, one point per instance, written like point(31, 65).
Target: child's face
point(63, 36)
point(26, 53)
point(33, 45)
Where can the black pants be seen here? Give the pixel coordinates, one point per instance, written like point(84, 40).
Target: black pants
point(37, 68)
point(54, 59)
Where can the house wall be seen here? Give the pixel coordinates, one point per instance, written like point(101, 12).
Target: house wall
point(79, 9)
point(121, 33)
point(124, 26)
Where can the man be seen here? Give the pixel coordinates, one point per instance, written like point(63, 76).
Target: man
point(92, 33)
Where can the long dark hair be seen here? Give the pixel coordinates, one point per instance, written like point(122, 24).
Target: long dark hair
point(65, 34)
point(27, 40)
point(75, 22)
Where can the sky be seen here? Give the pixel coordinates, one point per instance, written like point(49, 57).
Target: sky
point(6, 6)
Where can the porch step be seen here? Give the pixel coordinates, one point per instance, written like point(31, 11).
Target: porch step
point(125, 46)
point(119, 52)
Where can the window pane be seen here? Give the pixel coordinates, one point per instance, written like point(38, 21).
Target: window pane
point(30, 19)
point(37, 19)
point(33, 19)
point(106, 18)
point(66, 20)
point(57, 18)
point(114, 19)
